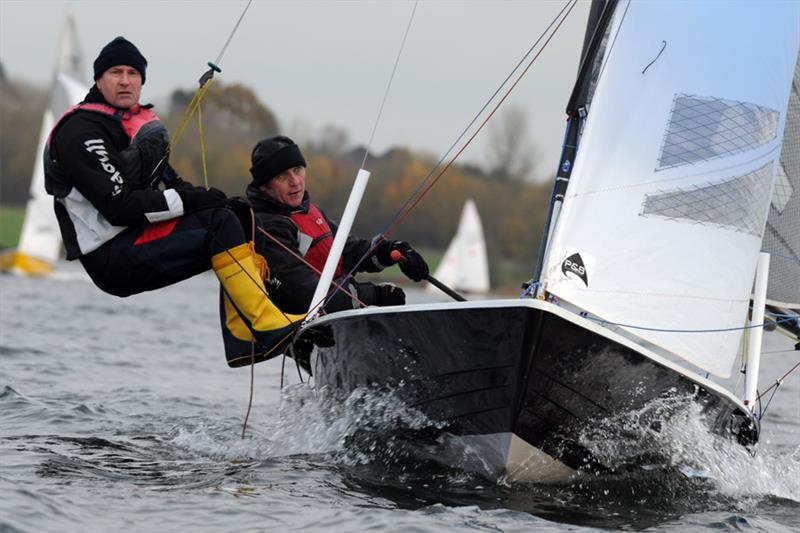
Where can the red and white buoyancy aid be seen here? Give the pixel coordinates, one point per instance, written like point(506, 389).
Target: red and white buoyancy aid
point(315, 238)
point(132, 120)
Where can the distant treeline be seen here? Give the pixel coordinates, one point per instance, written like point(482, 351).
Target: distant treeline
point(512, 210)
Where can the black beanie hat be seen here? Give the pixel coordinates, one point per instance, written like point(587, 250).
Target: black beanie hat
point(120, 51)
point(272, 156)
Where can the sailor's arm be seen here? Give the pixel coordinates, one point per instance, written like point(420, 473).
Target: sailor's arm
point(294, 282)
point(97, 170)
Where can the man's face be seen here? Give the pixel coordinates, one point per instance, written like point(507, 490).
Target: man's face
point(121, 86)
point(287, 187)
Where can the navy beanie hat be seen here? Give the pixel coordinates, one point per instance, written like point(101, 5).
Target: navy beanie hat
point(120, 51)
point(272, 156)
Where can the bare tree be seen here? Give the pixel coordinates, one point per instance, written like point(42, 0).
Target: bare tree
point(510, 154)
point(332, 141)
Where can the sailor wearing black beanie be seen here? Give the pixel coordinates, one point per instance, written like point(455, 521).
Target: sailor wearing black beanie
point(120, 51)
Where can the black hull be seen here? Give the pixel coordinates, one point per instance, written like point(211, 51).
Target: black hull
point(520, 368)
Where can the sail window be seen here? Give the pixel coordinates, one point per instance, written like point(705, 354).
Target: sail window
point(703, 128)
point(736, 203)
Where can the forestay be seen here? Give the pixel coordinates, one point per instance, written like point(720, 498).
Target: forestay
point(663, 219)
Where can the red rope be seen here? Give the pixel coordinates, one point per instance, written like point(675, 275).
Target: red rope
point(309, 265)
point(489, 117)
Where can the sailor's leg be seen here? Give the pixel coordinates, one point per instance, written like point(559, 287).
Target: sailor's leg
point(146, 258)
point(243, 284)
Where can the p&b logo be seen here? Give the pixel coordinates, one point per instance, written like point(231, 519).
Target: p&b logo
point(574, 265)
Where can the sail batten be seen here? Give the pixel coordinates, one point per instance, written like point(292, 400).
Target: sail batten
point(670, 192)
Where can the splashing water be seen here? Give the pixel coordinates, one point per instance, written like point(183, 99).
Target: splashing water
point(354, 430)
point(671, 434)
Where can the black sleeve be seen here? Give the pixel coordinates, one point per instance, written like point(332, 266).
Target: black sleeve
point(87, 153)
point(294, 282)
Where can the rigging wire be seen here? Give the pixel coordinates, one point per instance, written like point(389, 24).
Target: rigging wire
point(425, 187)
point(252, 385)
point(787, 318)
point(389, 85)
point(205, 83)
point(776, 385)
point(202, 90)
point(309, 265)
point(779, 381)
point(568, 5)
point(233, 32)
point(252, 355)
point(324, 301)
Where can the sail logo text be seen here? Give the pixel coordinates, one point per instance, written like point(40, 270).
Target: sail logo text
point(574, 265)
point(97, 147)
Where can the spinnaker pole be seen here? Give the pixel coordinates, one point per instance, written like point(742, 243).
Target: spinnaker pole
point(350, 210)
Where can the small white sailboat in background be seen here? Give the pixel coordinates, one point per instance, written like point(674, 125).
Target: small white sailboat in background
point(40, 240)
point(465, 266)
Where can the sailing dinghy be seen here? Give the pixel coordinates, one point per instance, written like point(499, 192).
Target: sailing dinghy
point(39, 243)
point(653, 241)
point(465, 265)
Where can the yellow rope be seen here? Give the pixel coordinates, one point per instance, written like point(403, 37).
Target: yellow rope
point(202, 145)
point(786, 333)
point(745, 344)
point(188, 113)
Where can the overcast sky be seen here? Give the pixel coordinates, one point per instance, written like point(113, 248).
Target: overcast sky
point(315, 63)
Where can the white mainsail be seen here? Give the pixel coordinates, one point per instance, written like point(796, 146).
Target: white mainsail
point(40, 239)
point(465, 266)
point(663, 219)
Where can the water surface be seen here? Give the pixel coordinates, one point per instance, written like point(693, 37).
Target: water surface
point(121, 414)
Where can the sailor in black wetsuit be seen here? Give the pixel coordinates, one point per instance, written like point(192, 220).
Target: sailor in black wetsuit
point(283, 208)
point(127, 216)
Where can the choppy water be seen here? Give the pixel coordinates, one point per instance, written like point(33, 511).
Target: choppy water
point(120, 414)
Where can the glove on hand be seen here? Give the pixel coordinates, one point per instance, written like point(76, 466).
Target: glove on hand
point(414, 267)
point(146, 154)
point(153, 149)
point(199, 198)
point(388, 294)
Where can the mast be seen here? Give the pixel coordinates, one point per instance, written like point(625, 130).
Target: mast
point(600, 15)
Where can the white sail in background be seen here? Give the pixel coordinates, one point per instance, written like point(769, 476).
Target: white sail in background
point(40, 240)
point(665, 212)
point(465, 266)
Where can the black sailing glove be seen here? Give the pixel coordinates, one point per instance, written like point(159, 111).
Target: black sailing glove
point(145, 160)
point(154, 151)
point(414, 266)
point(199, 198)
point(388, 294)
